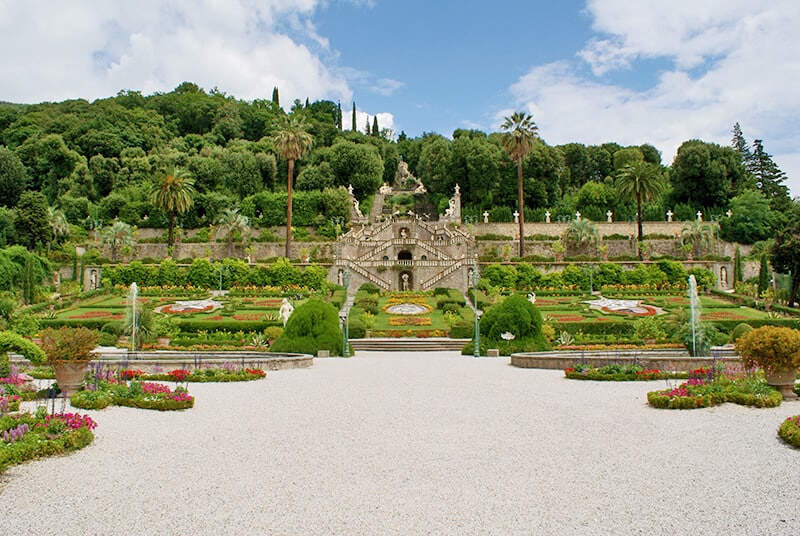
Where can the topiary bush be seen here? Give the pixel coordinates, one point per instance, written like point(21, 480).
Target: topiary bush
point(518, 316)
point(740, 330)
point(313, 326)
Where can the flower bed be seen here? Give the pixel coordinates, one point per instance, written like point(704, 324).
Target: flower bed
point(409, 321)
point(144, 395)
point(97, 314)
point(789, 431)
point(209, 375)
point(26, 437)
point(702, 393)
point(619, 373)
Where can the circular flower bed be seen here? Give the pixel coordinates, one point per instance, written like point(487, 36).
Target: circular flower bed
point(145, 395)
point(25, 437)
point(789, 431)
point(702, 393)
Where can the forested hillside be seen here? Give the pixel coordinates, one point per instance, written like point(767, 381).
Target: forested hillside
point(76, 165)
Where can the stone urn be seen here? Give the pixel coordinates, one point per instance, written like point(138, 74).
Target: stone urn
point(70, 375)
point(783, 381)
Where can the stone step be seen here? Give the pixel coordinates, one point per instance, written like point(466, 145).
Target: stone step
point(408, 344)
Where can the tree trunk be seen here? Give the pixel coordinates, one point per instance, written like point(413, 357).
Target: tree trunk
point(795, 288)
point(521, 209)
point(171, 239)
point(289, 211)
point(639, 217)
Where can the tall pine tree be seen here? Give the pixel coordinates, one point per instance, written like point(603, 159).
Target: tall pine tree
point(740, 144)
point(339, 116)
point(375, 131)
point(769, 177)
point(366, 127)
point(355, 128)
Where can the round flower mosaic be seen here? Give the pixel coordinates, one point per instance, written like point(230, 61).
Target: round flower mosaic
point(407, 309)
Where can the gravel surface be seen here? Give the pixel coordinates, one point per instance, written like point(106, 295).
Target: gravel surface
point(418, 443)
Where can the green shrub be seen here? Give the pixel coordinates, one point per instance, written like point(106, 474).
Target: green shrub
point(515, 315)
point(740, 330)
point(91, 399)
point(450, 307)
point(369, 288)
point(789, 431)
point(313, 326)
point(462, 330)
point(441, 291)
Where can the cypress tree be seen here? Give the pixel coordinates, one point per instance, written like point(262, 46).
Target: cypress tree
point(375, 131)
point(367, 130)
point(275, 99)
point(339, 117)
point(308, 105)
point(354, 129)
point(738, 269)
point(763, 275)
point(27, 280)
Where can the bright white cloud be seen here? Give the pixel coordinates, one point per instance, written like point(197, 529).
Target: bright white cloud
point(385, 120)
point(93, 48)
point(732, 61)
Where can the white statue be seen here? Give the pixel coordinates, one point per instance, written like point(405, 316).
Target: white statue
point(350, 189)
point(699, 216)
point(451, 210)
point(516, 216)
point(420, 189)
point(577, 215)
point(385, 189)
point(669, 215)
point(609, 216)
point(458, 189)
point(286, 311)
point(405, 281)
point(547, 217)
point(485, 216)
point(532, 297)
point(355, 207)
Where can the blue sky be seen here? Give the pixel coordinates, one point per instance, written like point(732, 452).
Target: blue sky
point(630, 71)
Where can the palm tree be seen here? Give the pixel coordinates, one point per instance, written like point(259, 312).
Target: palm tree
point(640, 182)
point(582, 232)
point(520, 132)
point(231, 222)
point(58, 223)
point(174, 194)
point(292, 142)
point(117, 236)
point(698, 234)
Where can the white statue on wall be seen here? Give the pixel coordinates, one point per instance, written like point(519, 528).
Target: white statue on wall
point(286, 311)
point(356, 208)
point(451, 210)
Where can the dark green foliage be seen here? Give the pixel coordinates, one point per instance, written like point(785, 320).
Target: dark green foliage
point(764, 275)
point(313, 326)
point(516, 315)
point(370, 288)
point(31, 223)
point(740, 330)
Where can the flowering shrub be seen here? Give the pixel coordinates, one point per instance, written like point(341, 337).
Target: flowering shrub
point(98, 314)
point(145, 395)
point(178, 375)
point(130, 374)
point(26, 436)
point(789, 431)
point(702, 393)
point(770, 348)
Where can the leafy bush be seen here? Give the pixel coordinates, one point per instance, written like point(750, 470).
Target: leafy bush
point(69, 344)
point(313, 326)
point(518, 316)
point(789, 431)
point(461, 330)
point(91, 399)
point(740, 330)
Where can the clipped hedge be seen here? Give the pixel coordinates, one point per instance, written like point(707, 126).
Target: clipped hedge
point(313, 326)
point(159, 404)
point(193, 326)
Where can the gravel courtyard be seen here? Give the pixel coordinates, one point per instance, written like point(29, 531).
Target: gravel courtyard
point(417, 443)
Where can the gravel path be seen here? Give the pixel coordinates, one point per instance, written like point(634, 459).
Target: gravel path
point(422, 443)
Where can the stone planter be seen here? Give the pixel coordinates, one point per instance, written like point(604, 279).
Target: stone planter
point(783, 381)
point(70, 375)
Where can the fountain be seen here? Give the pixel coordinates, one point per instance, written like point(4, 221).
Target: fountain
point(132, 296)
point(694, 309)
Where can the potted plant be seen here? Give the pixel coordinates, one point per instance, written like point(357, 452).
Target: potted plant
point(166, 328)
point(777, 351)
point(69, 350)
point(558, 249)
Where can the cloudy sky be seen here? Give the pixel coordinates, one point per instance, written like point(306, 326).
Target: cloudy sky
point(630, 71)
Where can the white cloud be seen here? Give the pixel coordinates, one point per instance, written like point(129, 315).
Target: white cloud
point(93, 48)
point(385, 120)
point(731, 61)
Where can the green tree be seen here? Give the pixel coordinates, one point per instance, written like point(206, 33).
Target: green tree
point(354, 128)
point(173, 194)
point(275, 97)
point(375, 130)
point(706, 174)
point(700, 235)
point(768, 176)
point(58, 223)
point(13, 177)
point(740, 145)
point(31, 220)
point(231, 223)
point(117, 237)
point(750, 220)
point(582, 233)
point(738, 268)
point(520, 132)
point(764, 274)
point(639, 182)
point(786, 252)
point(292, 142)
point(356, 164)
